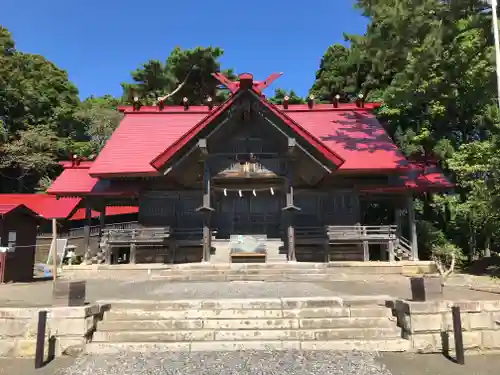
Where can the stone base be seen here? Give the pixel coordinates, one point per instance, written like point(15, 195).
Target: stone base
point(67, 327)
point(429, 326)
point(147, 271)
point(69, 293)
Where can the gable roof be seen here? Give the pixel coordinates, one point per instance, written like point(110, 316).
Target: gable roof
point(349, 135)
point(352, 133)
point(47, 206)
point(141, 137)
point(330, 155)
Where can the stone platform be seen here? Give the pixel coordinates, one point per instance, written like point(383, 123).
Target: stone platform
point(291, 271)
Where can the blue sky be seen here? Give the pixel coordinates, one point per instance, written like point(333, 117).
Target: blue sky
point(100, 41)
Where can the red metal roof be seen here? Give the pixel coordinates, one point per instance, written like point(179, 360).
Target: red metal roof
point(171, 149)
point(140, 138)
point(47, 206)
point(110, 211)
point(6, 208)
point(355, 135)
point(417, 177)
point(147, 134)
point(73, 181)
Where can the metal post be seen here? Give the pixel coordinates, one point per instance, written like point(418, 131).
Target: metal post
point(54, 250)
point(457, 333)
point(413, 229)
point(40, 339)
point(494, 5)
point(86, 233)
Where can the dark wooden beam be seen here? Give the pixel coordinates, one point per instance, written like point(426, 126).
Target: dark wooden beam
point(290, 209)
point(206, 209)
point(299, 146)
point(86, 232)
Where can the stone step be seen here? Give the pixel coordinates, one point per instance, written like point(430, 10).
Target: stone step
point(222, 304)
point(247, 277)
point(243, 324)
point(386, 345)
point(243, 335)
point(301, 313)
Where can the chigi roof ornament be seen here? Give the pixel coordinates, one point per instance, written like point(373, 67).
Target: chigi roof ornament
point(246, 81)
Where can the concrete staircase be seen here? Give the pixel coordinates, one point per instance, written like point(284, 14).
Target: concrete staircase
point(280, 271)
point(233, 324)
point(274, 254)
point(222, 251)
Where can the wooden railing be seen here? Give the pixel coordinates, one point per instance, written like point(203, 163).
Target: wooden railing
point(127, 236)
point(334, 233)
point(94, 230)
point(362, 232)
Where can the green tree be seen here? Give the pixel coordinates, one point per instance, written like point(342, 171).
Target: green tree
point(189, 69)
point(37, 103)
point(279, 96)
point(431, 62)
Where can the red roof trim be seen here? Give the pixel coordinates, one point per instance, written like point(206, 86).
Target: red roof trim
point(320, 146)
point(68, 164)
point(399, 189)
point(351, 107)
point(167, 109)
point(161, 159)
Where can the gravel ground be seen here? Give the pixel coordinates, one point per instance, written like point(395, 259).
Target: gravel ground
point(229, 363)
point(40, 293)
point(239, 289)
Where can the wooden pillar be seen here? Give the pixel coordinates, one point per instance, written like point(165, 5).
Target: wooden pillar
point(54, 250)
point(390, 250)
point(102, 221)
point(86, 233)
point(206, 208)
point(366, 246)
point(290, 207)
point(133, 248)
point(413, 228)
point(397, 221)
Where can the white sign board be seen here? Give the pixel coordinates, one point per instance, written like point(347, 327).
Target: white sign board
point(61, 244)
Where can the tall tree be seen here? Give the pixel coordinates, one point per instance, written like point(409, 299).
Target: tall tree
point(193, 67)
point(37, 102)
point(432, 64)
point(279, 96)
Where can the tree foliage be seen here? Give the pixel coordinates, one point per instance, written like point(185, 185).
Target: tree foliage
point(154, 78)
point(432, 64)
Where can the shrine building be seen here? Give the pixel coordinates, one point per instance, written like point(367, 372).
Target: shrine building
point(251, 181)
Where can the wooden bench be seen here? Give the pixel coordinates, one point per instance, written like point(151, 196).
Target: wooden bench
point(237, 257)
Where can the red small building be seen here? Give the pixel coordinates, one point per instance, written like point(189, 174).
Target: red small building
point(18, 230)
point(293, 173)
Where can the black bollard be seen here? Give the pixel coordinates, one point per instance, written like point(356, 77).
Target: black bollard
point(40, 338)
point(418, 289)
point(457, 332)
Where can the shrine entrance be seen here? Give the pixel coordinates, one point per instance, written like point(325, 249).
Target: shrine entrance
point(249, 213)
